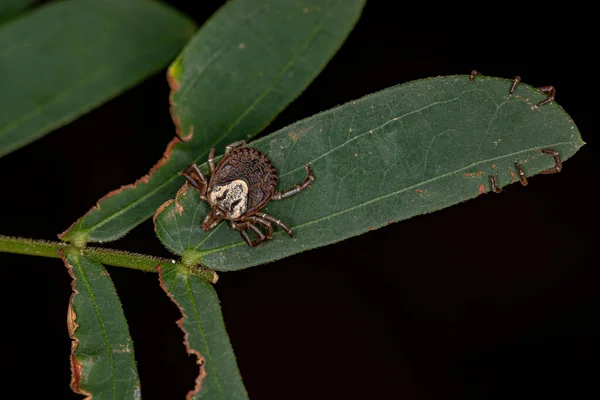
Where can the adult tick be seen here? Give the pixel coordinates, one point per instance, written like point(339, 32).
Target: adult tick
point(241, 184)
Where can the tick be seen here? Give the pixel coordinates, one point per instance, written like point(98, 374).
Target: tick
point(241, 184)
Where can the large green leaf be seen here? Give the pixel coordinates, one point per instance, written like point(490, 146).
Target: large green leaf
point(102, 359)
point(66, 58)
point(242, 68)
point(204, 335)
point(408, 150)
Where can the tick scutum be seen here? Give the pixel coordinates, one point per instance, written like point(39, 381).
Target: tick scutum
point(254, 168)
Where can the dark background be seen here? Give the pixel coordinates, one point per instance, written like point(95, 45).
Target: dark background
point(495, 298)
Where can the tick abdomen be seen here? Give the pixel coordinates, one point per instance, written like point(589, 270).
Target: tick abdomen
point(253, 167)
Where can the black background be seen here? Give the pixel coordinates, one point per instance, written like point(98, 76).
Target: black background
point(495, 298)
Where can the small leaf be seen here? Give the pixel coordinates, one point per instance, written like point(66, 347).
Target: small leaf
point(408, 150)
point(63, 59)
point(250, 60)
point(204, 335)
point(102, 359)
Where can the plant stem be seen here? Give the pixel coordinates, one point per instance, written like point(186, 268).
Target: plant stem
point(115, 258)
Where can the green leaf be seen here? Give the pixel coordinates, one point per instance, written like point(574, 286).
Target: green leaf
point(204, 335)
point(408, 150)
point(51, 72)
point(11, 8)
point(102, 359)
point(250, 60)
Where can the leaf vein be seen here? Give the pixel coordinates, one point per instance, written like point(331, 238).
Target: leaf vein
point(192, 224)
point(203, 335)
point(376, 199)
point(167, 232)
point(429, 148)
point(102, 326)
point(267, 90)
point(124, 209)
point(398, 118)
point(90, 78)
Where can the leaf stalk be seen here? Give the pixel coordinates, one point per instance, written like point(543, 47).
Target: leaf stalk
point(112, 257)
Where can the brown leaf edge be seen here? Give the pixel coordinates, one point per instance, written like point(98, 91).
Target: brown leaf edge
point(178, 207)
point(174, 73)
point(144, 179)
point(174, 85)
point(201, 361)
point(76, 368)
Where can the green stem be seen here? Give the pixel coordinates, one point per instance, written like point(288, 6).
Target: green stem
point(115, 258)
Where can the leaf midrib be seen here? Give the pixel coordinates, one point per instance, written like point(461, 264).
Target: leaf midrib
point(389, 121)
point(376, 199)
point(289, 65)
point(360, 135)
point(89, 79)
point(208, 355)
point(102, 326)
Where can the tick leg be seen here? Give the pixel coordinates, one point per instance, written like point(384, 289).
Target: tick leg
point(234, 145)
point(549, 91)
point(522, 176)
point(474, 73)
point(211, 160)
point(242, 227)
point(195, 178)
point(260, 237)
point(243, 233)
point(494, 185)
point(277, 222)
point(310, 177)
point(557, 162)
point(246, 238)
point(514, 85)
point(263, 222)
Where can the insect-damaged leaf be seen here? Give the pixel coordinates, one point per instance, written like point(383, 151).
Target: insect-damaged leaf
point(102, 359)
point(204, 335)
point(63, 59)
point(250, 60)
point(408, 150)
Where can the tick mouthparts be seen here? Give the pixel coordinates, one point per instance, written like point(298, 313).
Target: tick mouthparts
point(212, 219)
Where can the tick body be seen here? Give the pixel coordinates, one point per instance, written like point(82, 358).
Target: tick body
point(241, 184)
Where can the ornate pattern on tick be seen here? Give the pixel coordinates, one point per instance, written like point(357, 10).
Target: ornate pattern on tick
point(240, 185)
